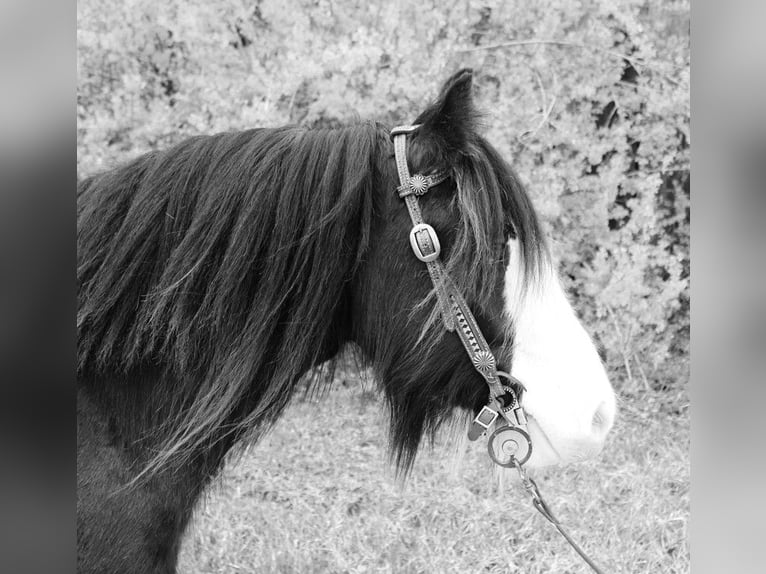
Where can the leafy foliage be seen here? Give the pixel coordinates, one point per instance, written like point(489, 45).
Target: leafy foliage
point(588, 100)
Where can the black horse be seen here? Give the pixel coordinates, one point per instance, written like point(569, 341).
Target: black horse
point(213, 276)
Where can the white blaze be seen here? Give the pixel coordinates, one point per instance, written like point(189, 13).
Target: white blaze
point(569, 400)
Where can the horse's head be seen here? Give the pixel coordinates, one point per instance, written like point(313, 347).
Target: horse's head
point(497, 258)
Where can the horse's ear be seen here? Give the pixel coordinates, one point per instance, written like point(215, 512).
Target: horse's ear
point(452, 118)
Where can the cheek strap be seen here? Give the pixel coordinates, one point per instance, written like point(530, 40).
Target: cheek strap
point(455, 313)
point(423, 239)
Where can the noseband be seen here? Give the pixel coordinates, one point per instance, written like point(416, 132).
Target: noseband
point(509, 445)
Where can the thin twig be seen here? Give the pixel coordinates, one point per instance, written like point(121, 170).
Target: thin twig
point(623, 343)
point(292, 104)
point(539, 80)
point(635, 62)
point(533, 42)
point(641, 372)
point(545, 108)
point(629, 337)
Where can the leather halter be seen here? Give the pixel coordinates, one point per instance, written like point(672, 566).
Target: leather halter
point(510, 444)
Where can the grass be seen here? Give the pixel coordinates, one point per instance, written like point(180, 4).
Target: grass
point(318, 495)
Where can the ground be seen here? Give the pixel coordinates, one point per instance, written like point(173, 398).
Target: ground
point(318, 495)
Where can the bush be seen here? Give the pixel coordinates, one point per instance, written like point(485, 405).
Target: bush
point(589, 101)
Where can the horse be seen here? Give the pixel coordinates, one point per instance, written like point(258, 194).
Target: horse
point(214, 278)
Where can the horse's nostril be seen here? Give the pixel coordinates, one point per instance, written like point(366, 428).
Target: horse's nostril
point(602, 420)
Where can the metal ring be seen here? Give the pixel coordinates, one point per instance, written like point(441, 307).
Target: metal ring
point(509, 445)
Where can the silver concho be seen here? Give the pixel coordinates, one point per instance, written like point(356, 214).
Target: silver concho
point(418, 184)
point(484, 361)
point(508, 443)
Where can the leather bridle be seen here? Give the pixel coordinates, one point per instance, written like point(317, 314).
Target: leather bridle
point(511, 440)
point(509, 444)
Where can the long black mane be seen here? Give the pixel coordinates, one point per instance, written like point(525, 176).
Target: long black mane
point(227, 259)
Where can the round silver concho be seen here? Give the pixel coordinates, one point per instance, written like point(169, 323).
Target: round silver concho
point(484, 361)
point(418, 184)
point(508, 443)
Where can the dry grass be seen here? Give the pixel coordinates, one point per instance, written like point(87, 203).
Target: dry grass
point(317, 495)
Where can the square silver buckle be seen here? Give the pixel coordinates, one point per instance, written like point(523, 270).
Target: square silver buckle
point(486, 417)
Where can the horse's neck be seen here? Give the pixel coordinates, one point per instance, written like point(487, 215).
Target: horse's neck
point(116, 420)
point(137, 409)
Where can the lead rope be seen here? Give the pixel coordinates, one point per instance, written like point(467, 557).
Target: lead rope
point(504, 401)
point(539, 503)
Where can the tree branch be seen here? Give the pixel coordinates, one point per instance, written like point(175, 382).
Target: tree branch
point(635, 62)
